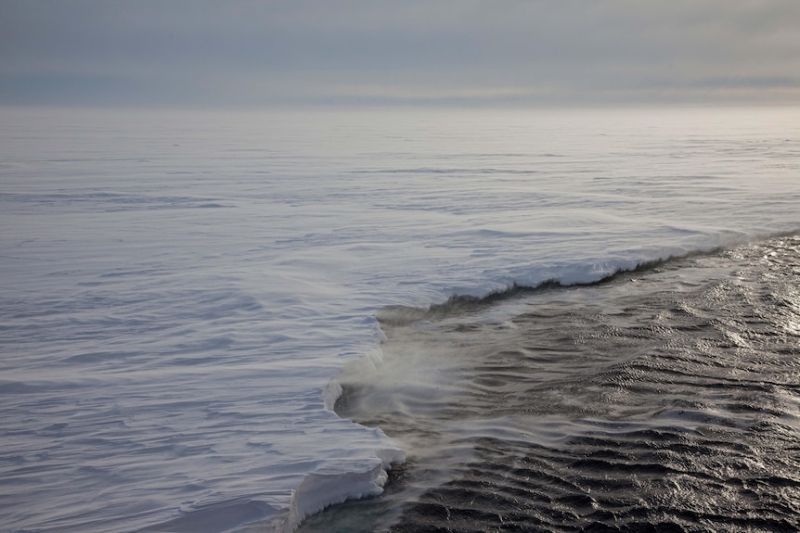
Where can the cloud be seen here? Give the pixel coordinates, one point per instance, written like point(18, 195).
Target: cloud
point(467, 51)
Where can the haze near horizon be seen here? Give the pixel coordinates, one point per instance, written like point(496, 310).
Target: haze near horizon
point(310, 52)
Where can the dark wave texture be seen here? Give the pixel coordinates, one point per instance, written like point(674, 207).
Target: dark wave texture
point(667, 399)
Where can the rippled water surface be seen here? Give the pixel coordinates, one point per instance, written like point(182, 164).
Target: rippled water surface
point(666, 399)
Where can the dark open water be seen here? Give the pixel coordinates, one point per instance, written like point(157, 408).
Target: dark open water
point(664, 399)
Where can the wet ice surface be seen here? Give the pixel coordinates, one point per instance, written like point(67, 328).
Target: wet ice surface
point(178, 289)
point(669, 400)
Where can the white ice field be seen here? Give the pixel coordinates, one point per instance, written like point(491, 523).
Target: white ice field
point(178, 290)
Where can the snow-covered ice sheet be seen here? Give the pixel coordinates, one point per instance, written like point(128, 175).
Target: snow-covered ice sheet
point(179, 289)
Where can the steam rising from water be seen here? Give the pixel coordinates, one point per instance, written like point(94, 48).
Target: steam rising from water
point(669, 398)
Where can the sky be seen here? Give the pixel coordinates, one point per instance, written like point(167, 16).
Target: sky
point(399, 52)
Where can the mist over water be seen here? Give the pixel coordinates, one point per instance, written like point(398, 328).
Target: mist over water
point(666, 400)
